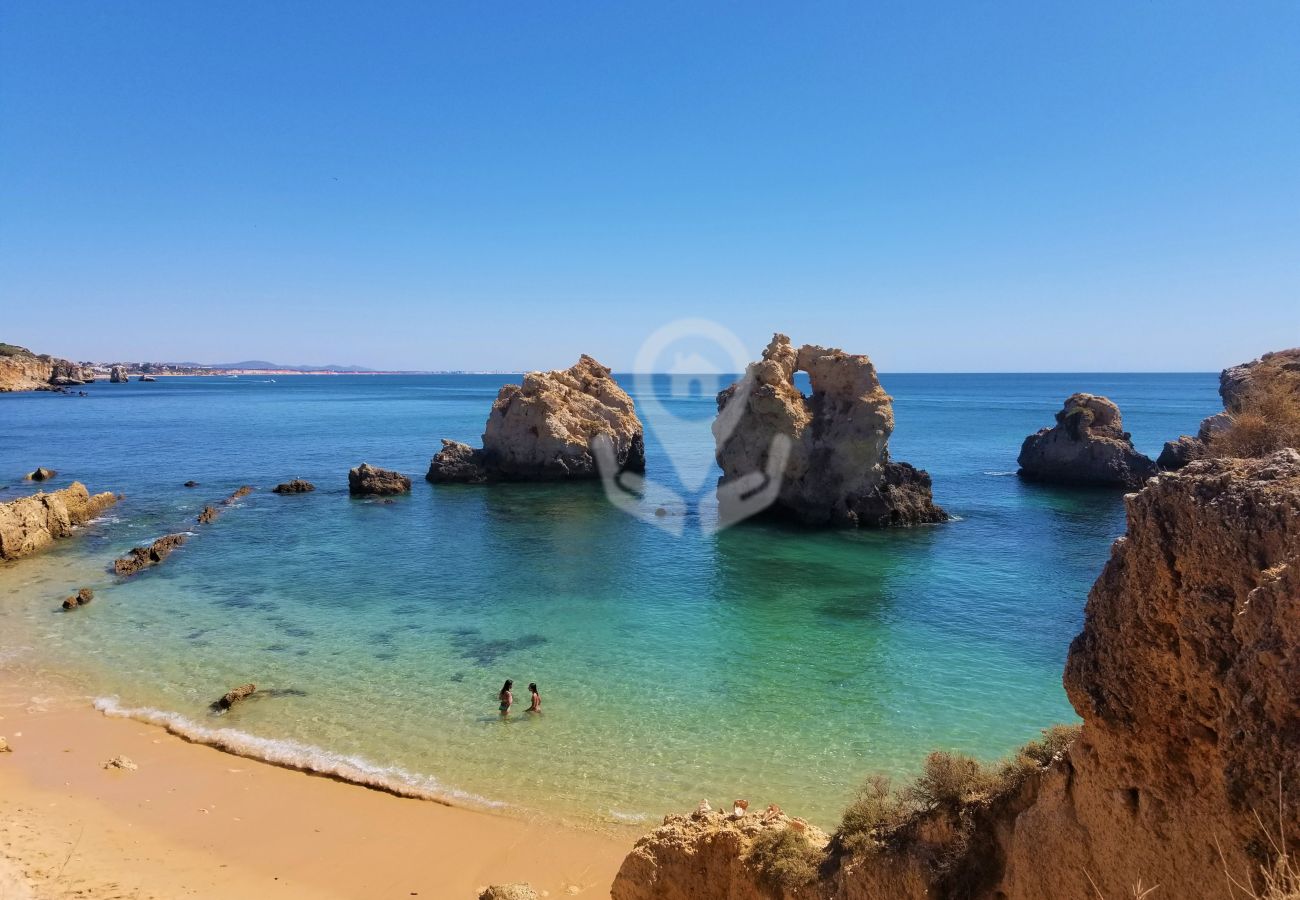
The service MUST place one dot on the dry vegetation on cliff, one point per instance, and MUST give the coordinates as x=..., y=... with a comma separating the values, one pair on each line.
x=1269, y=421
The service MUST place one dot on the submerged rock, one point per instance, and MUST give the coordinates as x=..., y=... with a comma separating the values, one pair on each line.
x=81, y=598
x=237, y=494
x=235, y=695
x=191, y=484
x=297, y=486
x=143, y=557
x=1087, y=446
x=41, y=474
x=838, y=470
x=367, y=480
x=542, y=430
x=31, y=524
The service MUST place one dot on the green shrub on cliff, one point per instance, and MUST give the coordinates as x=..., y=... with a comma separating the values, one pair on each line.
x=875, y=814
x=785, y=858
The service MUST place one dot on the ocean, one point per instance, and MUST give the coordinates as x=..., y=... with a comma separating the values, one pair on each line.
x=761, y=661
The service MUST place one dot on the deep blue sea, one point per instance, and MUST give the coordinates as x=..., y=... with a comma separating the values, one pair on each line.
x=760, y=661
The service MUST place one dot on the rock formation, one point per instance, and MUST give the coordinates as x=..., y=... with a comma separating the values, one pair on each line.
x=1187, y=677
x=117, y=375
x=516, y=891
x=4, y=746
x=81, y=598
x=237, y=494
x=1088, y=446
x=41, y=474
x=33, y=523
x=542, y=430
x=208, y=515
x=366, y=480
x=235, y=695
x=297, y=486
x=838, y=471
x=23, y=370
x=143, y=557
x=1240, y=387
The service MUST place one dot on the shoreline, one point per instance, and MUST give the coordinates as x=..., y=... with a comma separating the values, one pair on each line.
x=197, y=821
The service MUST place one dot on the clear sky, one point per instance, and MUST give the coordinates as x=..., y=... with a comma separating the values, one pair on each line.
x=963, y=186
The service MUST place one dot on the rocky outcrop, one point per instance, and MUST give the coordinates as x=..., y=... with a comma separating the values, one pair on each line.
x=297, y=486
x=367, y=480
x=81, y=598
x=838, y=470
x=208, y=515
x=147, y=378
x=1087, y=446
x=235, y=695
x=151, y=555
x=1241, y=387
x=41, y=474
x=1187, y=678
x=117, y=375
x=237, y=493
x=543, y=430
x=22, y=370
x=30, y=524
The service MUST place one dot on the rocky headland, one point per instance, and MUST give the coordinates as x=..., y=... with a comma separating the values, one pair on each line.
x=1183, y=774
x=31, y=524
x=1261, y=412
x=23, y=370
x=542, y=430
x=1087, y=446
x=838, y=470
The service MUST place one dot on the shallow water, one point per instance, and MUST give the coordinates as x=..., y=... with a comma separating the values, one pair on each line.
x=759, y=661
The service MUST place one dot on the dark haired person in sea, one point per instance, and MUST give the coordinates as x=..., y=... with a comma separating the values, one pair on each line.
x=506, y=697
x=537, y=698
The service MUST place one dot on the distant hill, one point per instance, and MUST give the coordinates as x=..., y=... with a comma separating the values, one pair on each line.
x=263, y=364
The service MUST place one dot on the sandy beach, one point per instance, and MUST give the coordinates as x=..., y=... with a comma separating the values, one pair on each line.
x=192, y=821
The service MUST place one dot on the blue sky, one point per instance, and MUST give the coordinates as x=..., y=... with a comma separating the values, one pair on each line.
x=948, y=187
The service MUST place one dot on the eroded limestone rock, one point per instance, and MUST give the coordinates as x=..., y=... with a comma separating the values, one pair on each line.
x=367, y=480
x=31, y=524
x=838, y=470
x=542, y=430
x=1087, y=446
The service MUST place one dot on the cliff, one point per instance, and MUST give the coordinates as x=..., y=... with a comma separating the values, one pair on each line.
x=1088, y=445
x=22, y=370
x=1187, y=678
x=838, y=470
x=31, y=524
x=542, y=430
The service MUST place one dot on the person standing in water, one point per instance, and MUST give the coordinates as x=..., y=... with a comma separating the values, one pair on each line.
x=506, y=697
x=537, y=698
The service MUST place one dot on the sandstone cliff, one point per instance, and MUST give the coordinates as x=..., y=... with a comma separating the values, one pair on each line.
x=838, y=470
x=1187, y=677
x=543, y=429
x=30, y=524
x=1262, y=382
x=1088, y=445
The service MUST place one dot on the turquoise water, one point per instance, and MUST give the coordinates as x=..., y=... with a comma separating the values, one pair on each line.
x=759, y=661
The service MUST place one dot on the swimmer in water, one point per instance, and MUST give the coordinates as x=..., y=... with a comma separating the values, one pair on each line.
x=537, y=698
x=506, y=698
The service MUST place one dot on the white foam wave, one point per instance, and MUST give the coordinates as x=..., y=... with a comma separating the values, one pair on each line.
x=292, y=754
x=1001, y=474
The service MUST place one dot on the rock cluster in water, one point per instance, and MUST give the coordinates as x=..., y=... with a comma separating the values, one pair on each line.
x=80, y=598
x=30, y=524
x=1187, y=678
x=543, y=430
x=367, y=480
x=838, y=471
x=297, y=486
x=1239, y=386
x=141, y=558
x=1088, y=445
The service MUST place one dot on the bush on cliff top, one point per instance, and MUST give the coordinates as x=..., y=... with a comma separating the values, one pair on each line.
x=1270, y=422
x=785, y=858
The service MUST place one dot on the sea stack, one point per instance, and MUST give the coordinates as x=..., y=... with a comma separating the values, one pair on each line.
x=1087, y=446
x=838, y=471
x=117, y=375
x=367, y=480
x=30, y=524
x=1253, y=386
x=542, y=430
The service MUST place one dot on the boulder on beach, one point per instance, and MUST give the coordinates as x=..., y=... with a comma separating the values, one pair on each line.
x=542, y=430
x=30, y=524
x=117, y=375
x=1087, y=446
x=235, y=695
x=297, y=486
x=151, y=555
x=837, y=469
x=4, y=746
x=367, y=480
x=517, y=891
